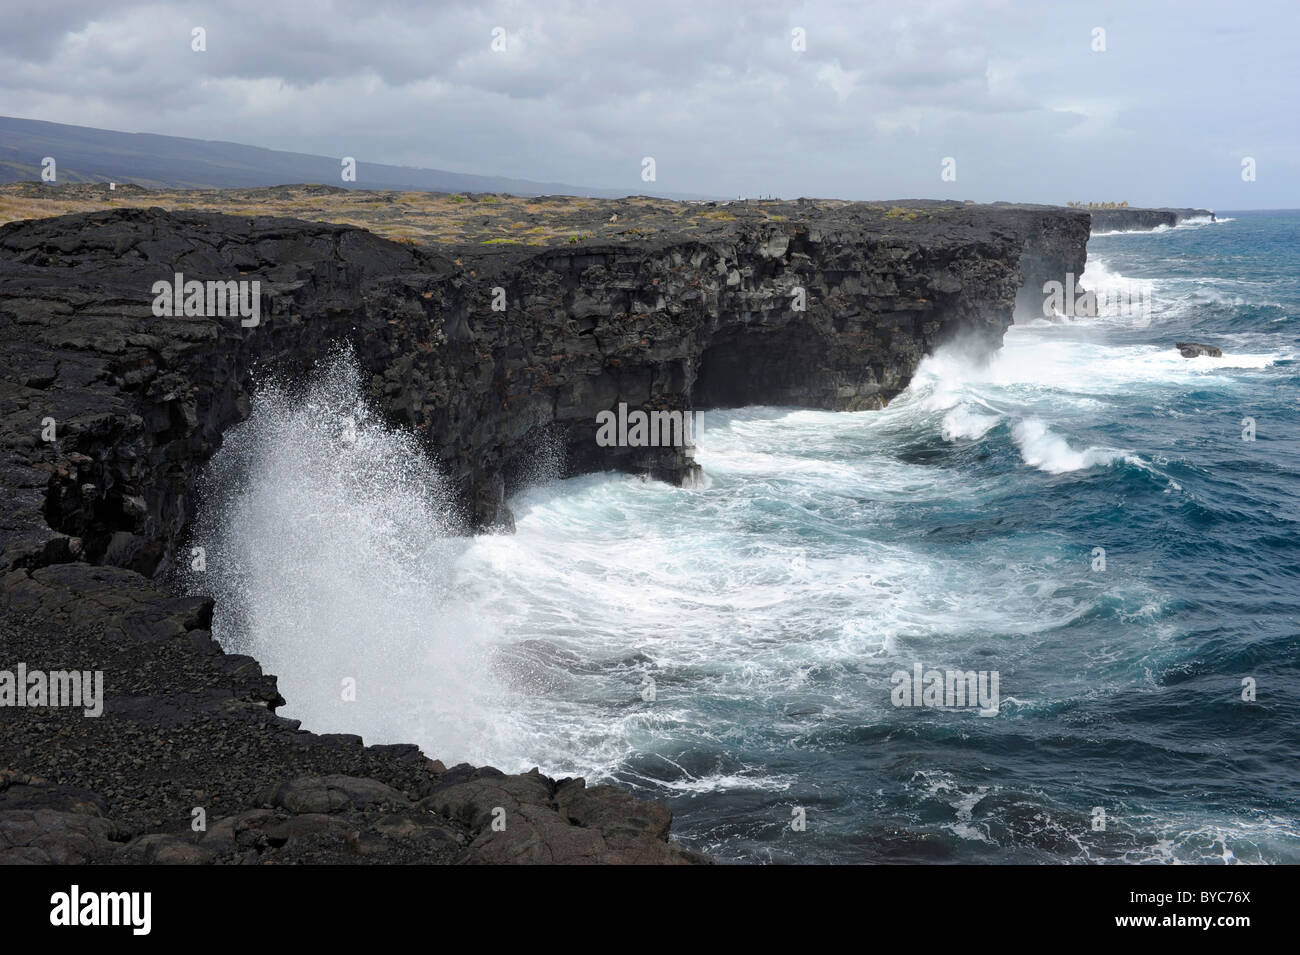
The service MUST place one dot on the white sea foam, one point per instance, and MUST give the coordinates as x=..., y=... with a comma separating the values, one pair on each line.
x=1042, y=363
x=961, y=422
x=1210, y=838
x=1046, y=376
x=1042, y=448
x=329, y=549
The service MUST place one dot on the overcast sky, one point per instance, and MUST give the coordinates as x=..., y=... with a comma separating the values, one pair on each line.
x=1012, y=91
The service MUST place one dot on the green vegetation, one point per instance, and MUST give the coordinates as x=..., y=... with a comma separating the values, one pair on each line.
x=1098, y=205
x=898, y=212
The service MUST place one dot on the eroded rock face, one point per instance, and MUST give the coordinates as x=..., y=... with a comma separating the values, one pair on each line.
x=108, y=413
x=674, y=323
x=1144, y=220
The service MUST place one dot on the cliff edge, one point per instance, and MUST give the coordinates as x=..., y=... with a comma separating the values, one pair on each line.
x=109, y=411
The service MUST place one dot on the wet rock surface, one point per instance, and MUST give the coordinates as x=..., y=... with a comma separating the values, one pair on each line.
x=108, y=414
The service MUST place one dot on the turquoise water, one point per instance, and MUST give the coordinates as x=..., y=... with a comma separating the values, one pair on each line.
x=729, y=649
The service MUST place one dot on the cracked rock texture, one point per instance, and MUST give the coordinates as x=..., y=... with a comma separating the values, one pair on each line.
x=108, y=414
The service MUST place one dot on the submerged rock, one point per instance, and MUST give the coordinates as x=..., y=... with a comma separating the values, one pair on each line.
x=1196, y=350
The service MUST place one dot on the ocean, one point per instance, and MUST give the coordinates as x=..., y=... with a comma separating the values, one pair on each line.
x=1080, y=516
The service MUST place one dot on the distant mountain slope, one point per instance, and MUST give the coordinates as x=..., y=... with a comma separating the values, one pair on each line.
x=86, y=154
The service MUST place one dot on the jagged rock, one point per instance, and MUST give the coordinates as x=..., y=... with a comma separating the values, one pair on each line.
x=223, y=834
x=44, y=823
x=1196, y=350
x=532, y=819
x=614, y=812
x=334, y=794
x=158, y=848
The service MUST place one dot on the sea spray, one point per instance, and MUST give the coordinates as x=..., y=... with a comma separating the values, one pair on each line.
x=330, y=544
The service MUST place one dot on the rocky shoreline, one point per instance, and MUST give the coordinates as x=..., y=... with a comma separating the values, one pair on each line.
x=108, y=413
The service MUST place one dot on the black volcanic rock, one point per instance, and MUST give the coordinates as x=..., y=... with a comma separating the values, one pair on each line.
x=91, y=521
x=1195, y=350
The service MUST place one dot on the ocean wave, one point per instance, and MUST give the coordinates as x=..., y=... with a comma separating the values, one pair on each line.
x=1224, y=840
x=1048, y=451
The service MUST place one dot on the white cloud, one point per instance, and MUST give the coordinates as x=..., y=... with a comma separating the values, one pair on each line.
x=838, y=79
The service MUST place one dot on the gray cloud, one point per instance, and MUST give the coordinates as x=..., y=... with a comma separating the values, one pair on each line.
x=714, y=92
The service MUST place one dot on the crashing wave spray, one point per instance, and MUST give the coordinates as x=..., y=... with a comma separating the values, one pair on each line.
x=331, y=547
